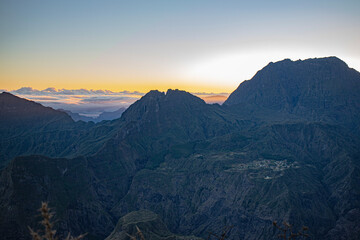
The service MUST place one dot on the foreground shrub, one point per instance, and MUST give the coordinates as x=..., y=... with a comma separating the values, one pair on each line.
x=49, y=233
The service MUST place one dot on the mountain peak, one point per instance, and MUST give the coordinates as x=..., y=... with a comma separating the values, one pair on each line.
x=155, y=101
x=182, y=97
x=176, y=91
x=303, y=86
x=154, y=93
x=332, y=60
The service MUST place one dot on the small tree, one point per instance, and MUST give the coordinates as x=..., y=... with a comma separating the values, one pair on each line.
x=49, y=233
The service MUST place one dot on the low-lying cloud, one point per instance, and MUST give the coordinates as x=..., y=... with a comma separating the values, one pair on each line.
x=94, y=102
x=83, y=101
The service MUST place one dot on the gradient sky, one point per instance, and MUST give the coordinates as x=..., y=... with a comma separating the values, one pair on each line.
x=195, y=45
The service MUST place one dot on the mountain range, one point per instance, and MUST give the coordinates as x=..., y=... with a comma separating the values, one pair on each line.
x=283, y=147
x=102, y=116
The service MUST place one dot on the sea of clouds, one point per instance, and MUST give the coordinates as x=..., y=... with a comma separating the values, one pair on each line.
x=91, y=103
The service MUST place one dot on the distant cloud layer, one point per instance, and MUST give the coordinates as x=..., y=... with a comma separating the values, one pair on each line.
x=93, y=102
x=83, y=101
x=54, y=91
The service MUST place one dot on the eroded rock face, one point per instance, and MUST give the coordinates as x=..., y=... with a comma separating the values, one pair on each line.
x=271, y=173
x=313, y=89
x=28, y=128
x=198, y=167
x=149, y=224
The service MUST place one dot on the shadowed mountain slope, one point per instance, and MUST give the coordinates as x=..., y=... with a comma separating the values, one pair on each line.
x=274, y=151
x=148, y=223
x=19, y=112
x=139, y=139
x=186, y=116
x=29, y=128
x=148, y=130
x=248, y=179
x=323, y=89
x=71, y=187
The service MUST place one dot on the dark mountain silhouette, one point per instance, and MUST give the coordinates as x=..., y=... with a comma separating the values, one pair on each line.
x=28, y=128
x=18, y=112
x=127, y=145
x=274, y=151
x=317, y=89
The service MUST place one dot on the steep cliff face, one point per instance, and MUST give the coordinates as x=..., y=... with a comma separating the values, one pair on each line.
x=138, y=140
x=28, y=128
x=178, y=116
x=313, y=89
x=249, y=179
x=149, y=129
x=149, y=224
x=274, y=151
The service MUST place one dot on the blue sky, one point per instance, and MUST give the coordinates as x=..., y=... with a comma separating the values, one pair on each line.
x=198, y=45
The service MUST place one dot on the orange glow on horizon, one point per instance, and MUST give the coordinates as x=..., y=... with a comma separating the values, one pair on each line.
x=116, y=84
x=214, y=98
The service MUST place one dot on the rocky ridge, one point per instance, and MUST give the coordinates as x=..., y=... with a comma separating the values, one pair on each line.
x=261, y=157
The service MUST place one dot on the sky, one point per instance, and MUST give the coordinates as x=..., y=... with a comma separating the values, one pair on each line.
x=201, y=46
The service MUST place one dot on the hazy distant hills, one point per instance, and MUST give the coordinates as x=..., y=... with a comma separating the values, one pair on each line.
x=102, y=117
x=283, y=147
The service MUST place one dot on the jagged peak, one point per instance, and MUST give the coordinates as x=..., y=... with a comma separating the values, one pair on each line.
x=323, y=59
x=288, y=77
x=153, y=93
x=176, y=91
x=181, y=95
x=329, y=60
x=171, y=95
x=156, y=101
